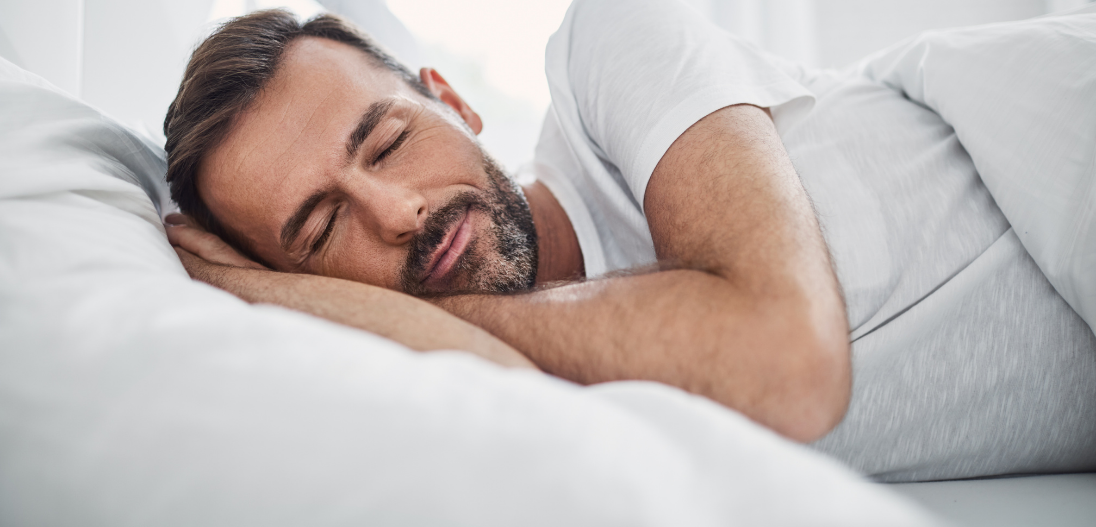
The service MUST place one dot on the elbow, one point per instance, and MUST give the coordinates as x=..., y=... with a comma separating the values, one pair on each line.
x=799, y=387
x=819, y=389
x=786, y=364
x=806, y=386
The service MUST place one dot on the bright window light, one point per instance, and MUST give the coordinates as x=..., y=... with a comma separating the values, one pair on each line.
x=505, y=37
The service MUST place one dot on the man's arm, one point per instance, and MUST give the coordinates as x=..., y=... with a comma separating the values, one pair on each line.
x=752, y=316
x=414, y=323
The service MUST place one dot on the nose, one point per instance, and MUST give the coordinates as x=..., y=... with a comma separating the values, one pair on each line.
x=397, y=211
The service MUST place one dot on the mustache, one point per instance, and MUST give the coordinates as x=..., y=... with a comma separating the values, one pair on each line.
x=433, y=232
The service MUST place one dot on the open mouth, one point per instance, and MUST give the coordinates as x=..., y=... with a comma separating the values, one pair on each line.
x=447, y=255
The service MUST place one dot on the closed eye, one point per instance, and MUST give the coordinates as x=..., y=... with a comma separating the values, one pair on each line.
x=319, y=243
x=392, y=148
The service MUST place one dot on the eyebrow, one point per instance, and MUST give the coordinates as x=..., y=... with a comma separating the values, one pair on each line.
x=293, y=226
x=368, y=122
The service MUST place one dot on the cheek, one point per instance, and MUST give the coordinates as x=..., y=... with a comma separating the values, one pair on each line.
x=358, y=258
x=456, y=160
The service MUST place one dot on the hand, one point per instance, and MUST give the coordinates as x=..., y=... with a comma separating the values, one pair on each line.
x=193, y=243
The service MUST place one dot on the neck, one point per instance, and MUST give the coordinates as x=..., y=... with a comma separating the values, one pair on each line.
x=559, y=256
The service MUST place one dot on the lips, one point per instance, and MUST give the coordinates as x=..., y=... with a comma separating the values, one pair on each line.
x=448, y=253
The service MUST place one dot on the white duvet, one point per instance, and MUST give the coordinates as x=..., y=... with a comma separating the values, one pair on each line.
x=1022, y=99
x=131, y=395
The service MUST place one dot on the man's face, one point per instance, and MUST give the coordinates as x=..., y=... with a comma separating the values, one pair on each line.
x=339, y=168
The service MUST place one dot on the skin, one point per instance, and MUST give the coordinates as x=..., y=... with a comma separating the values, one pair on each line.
x=291, y=143
x=387, y=313
x=750, y=316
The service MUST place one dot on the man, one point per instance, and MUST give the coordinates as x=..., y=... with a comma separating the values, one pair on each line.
x=328, y=159
x=662, y=179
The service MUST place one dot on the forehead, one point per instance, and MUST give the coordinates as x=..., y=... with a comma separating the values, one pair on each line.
x=292, y=133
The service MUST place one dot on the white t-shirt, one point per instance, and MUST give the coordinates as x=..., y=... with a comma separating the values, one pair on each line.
x=944, y=304
x=616, y=109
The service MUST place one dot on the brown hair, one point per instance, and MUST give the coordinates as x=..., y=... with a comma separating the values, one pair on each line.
x=225, y=74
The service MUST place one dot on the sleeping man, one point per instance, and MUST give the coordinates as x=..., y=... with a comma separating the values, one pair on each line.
x=665, y=234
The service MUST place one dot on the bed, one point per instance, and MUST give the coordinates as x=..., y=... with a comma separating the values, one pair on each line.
x=130, y=394
x=1059, y=499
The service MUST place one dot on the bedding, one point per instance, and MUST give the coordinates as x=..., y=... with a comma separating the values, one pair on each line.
x=131, y=395
x=1060, y=500
x=993, y=372
x=1020, y=98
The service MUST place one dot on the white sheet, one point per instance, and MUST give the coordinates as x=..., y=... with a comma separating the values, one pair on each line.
x=130, y=395
x=1061, y=500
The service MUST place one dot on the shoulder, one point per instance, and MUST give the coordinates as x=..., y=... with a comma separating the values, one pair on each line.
x=596, y=31
x=599, y=16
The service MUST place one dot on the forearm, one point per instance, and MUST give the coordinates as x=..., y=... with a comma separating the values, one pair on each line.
x=412, y=322
x=757, y=353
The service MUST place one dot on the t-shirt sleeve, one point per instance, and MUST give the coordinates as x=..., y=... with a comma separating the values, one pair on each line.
x=628, y=77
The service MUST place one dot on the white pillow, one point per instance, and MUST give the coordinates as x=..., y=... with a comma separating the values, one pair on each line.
x=131, y=395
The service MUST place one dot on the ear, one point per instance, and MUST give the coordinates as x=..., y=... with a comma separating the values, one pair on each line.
x=441, y=89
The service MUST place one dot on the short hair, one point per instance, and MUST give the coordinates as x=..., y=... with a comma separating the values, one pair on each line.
x=225, y=74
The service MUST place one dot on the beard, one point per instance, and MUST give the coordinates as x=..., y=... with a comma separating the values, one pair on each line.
x=505, y=262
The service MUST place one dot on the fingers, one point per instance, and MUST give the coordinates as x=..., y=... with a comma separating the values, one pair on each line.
x=201, y=269
x=192, y=239
x=183, y=233
x=188, y=258
x=179, y=219
x=207, y=246
x=177, y=236
x=191, y=263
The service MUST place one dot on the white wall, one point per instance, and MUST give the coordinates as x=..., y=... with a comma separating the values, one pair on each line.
x=46, y=37
x=125, y=57
x=135, y=52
